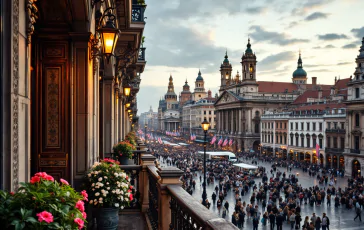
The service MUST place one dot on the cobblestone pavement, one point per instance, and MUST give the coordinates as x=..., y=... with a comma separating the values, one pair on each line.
x=340, y=218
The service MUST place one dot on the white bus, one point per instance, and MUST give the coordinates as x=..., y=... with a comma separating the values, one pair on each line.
x=229, y=156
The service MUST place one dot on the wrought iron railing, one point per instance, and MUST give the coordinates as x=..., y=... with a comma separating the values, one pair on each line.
x=137, y=13
x=336, y=131
x=153, y=198
x=141, y=56
x=354, y=150
x=188, y=213
x=133, y=172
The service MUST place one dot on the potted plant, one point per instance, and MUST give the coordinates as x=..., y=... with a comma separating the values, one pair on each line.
x=43, y=203
x=109, y=191
x=131, y=137
x=123, y=151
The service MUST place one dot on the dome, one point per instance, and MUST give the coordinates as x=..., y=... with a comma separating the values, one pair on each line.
x=186, y=84
x=226, y=60
x=248, y=48
x=199, y=77
x=299, y=72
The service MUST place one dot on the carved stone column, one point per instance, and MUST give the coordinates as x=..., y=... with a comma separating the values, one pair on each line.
x=146, y=159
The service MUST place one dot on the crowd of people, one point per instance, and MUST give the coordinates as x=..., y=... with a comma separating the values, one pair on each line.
x=275, y=196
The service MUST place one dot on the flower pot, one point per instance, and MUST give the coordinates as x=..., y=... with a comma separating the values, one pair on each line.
x=124, y=160
x=107, y=218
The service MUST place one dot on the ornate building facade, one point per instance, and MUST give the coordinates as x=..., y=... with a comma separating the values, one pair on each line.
x=354, y=147
x=61, y=92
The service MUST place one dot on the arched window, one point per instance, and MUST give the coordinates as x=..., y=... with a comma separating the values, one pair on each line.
x=357, y=120
x=251, y=69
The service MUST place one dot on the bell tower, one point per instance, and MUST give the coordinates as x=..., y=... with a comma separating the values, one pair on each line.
x=225, y=70
x=249, y=63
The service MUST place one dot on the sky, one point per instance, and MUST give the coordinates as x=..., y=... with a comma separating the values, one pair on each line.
x=183, y=36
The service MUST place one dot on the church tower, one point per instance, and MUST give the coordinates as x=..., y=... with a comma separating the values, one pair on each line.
x=249, y=63
x=225, y=70
x=299, y=76
x=185, y=94
x=199, y=91
x=170, y=96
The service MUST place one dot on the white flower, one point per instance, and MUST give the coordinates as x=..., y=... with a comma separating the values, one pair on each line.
x=100, y=179
x=117, y=205
x=89, y=175
x=93, y=184
x=122, y=198
x=100, y=202
x=95, y=203
x=103, y=191
x=116, y=174
x=67, y=194
x=100, y=199
x=91, y=201
x=108, y=188
x=126, y=199
x=113, y=191
x=97, y=194
x=107, y=182
x=105, y=177
x=122, y=207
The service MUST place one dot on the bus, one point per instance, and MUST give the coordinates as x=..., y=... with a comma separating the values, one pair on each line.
x=228, y=156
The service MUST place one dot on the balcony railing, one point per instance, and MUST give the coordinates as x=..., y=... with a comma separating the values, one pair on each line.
x=336, y=131
x=355, y=151
x=141, y=56
x=334, y=150
x=137, y=13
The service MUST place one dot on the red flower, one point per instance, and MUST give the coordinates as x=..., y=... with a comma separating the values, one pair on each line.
x=50, y=178
x=64, y=182
x=34, y=179
x=80, y=206
x=85, y=195
x=45, y=216
x=79, y=222
x=12, y=193
x=131, y=197
x=131, y=187
x=84, y=215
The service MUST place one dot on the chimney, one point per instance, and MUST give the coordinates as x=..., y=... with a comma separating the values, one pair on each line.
x=209, y=94
x=314, y=81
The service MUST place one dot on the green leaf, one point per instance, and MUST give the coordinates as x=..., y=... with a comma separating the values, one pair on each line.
x=54, y=225
x=19, y=225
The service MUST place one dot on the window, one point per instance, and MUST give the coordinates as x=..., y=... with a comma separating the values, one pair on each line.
x=314, y=126
x=280, y=124
x=342, y=125
x=320, y=126
x=335, y=142
x=314, y=142
x=357, y=92
x=320, y=143
x=356, y=142
x=291, y=139
x=210, y=120
x=329, y=125
x=357, y=120
x=328, y=144
x=204, y=112
x=296, y=125
x=209, y=112
x=335, y=125
x=280, y=139
x=308, y=126
x=302, y=126
x=276, y=139
x=285, y=125
x=302, y=142
x=291, y=126
x=308, y=142
x=342, y=142
x=297, y=141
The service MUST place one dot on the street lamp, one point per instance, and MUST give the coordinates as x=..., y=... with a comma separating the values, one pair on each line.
x=127, y=90
x=145, y=132
x=205, y=126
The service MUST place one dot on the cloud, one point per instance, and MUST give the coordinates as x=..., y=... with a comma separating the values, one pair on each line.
x=315, y=16
x=344, y=63
x=259, y=34
x=325, y=47
x=255, y=10
x=358, y=32
x=274, y=61
x=305, y=6
x=350, y=46
x=332, y=36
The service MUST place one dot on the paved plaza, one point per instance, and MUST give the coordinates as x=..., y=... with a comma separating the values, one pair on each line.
x=340, y=218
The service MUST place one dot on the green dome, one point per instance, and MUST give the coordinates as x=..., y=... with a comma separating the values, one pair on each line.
x=226, y=60
x=248, y=48
x=199, y=77
x=299, y=72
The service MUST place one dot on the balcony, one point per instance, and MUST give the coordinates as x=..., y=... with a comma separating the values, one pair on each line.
x=141, y=56
x=343, y=131
x=140, y=64
x=357, y=151
x=334, y=150
x=161, y=200
x=137, y=13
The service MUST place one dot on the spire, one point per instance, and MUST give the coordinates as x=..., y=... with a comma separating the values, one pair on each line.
x=199, y=77
x=226, y=60
x=248, y=47
x=361, y=51
x=299, y=62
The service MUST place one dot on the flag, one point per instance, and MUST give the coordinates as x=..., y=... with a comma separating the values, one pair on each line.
x=213, y=140
x=225, y=142
x=317, y=150
x=231, y=142
x=220, y=141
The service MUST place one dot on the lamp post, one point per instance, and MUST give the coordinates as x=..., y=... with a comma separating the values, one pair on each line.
x=205, y=126
x=145, y=132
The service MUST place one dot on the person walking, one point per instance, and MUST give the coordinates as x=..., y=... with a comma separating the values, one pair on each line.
x=325, y=222
x=357, y=211
x=292, y=220
x=272, y=220
x=279, y=221
x=318, y=223
x=255, y=223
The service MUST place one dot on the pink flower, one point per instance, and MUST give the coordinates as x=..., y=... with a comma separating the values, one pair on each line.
x=84, y=215
x=45, y=216
x=50, y=178
x=79, y=222
x=85, y=195
x=64, y=182
x=80, y=206
x=44, y=176
x=34, y=179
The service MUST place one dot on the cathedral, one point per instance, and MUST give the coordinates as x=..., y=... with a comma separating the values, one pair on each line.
x=243, y=99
